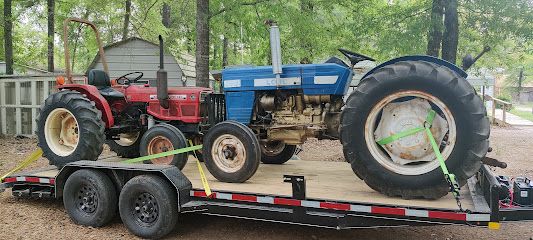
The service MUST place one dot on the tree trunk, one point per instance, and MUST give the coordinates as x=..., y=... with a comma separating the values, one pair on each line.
x=224, y=52
x=165, y=15
x=8, y=37
x=451, y=32
x=306, y=8
x=435, y=29
x=125, y=28
x=202, y=43
x=51, y=27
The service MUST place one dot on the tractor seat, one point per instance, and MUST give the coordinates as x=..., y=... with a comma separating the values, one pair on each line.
x=100, y=80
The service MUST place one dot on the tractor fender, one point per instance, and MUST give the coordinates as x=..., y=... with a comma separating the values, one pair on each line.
x=92, y=93
x=426, y=58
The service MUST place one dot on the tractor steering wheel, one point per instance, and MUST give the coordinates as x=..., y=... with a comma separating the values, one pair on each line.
x=128, y=81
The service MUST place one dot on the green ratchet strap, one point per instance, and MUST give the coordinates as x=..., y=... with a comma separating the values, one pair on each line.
x=429, y=119
x=163, y=154
x=450, y=178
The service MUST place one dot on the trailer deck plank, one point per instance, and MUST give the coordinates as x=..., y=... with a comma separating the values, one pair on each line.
x=333, y=181
x=324, y=180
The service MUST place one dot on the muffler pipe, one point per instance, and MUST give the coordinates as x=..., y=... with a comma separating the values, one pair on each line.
x=275, y=48
x=162, y=78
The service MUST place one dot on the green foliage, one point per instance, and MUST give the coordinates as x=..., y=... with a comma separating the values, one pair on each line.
x=312, y=30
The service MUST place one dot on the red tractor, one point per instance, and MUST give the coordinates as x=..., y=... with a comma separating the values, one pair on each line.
x=132, y=117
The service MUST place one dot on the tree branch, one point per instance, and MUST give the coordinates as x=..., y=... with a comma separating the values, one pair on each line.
x=227, y=9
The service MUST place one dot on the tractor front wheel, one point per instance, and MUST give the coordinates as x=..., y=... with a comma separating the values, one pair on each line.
x=163, y=138
x=70, y=128
x=231, y=152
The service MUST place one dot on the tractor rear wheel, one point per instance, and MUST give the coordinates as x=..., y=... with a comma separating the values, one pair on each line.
x=276, y=152
x=231, y=152
x=397, y=98
x=127, y=145
x=70, y=128
x=163, y=138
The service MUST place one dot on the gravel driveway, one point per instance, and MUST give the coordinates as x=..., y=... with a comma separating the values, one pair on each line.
x=37, y=219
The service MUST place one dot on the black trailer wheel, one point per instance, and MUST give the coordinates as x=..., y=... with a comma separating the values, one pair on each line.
x=162, y=138
x=231, y=152
x=276, y=152
x=127, y=145
x=397, y=98
x=90, y=198
x=148, y=206
x=70, y=128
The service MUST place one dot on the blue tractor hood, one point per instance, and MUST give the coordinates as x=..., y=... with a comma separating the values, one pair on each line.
x=312, y=79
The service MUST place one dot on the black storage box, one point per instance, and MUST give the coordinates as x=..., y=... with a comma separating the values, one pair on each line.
x=523, y=192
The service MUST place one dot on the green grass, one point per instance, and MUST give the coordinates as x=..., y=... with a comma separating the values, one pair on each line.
x=522, y=114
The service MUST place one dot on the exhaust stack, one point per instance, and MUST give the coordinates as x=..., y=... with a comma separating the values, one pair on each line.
x=275, y=48
x=162, y=78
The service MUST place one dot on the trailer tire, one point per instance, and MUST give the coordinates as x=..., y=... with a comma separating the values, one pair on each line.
x=271, y=155
x=85, y=120
x=148, y=206
x=231, y=152
x=161, y=138
x=463, y=105
x=127, y=147
x=90, y=198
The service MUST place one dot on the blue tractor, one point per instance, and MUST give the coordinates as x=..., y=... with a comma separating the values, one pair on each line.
x=271, y=109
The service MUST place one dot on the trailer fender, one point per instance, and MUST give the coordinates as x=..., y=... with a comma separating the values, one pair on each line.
x=94, y=95
x=120, y=173
x=430, y=59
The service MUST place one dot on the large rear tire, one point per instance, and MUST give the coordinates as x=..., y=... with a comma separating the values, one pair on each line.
x=415, y=87
x=70, y=128
x=231, y=152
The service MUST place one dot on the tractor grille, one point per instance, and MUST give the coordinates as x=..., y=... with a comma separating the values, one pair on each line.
x=215, y=105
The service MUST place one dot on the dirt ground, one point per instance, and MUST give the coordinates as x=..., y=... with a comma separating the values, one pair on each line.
x=38, y=219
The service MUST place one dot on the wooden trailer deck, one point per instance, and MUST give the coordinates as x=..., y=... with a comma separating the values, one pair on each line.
x=324, y=180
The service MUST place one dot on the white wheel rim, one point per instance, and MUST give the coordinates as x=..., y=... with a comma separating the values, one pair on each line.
x=228, y=153
x=418, y=167
x=127, y=139
x=272, y=148
x=61, y=132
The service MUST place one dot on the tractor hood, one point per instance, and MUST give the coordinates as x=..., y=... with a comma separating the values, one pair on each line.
x=313, y=79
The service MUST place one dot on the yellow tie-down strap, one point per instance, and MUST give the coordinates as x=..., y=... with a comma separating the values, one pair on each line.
x=30, y=159
x=205, y=184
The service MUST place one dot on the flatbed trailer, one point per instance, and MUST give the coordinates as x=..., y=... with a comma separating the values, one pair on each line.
x=311, y=193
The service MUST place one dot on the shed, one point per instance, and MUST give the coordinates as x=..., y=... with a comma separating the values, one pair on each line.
x=138, y=55
x=20, y=69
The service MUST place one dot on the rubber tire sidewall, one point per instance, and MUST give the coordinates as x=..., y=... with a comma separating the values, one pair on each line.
x=166, y=197
x=470, y=118
x=107, y=197
x=173, y=134
x=251, y=145
x=90, y=125
x=282, y=157
x=131, y=151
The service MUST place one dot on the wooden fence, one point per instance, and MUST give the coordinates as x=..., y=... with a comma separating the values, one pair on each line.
x=20, y=99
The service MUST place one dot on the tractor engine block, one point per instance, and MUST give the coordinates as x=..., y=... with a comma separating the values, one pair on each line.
x=294, y=117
